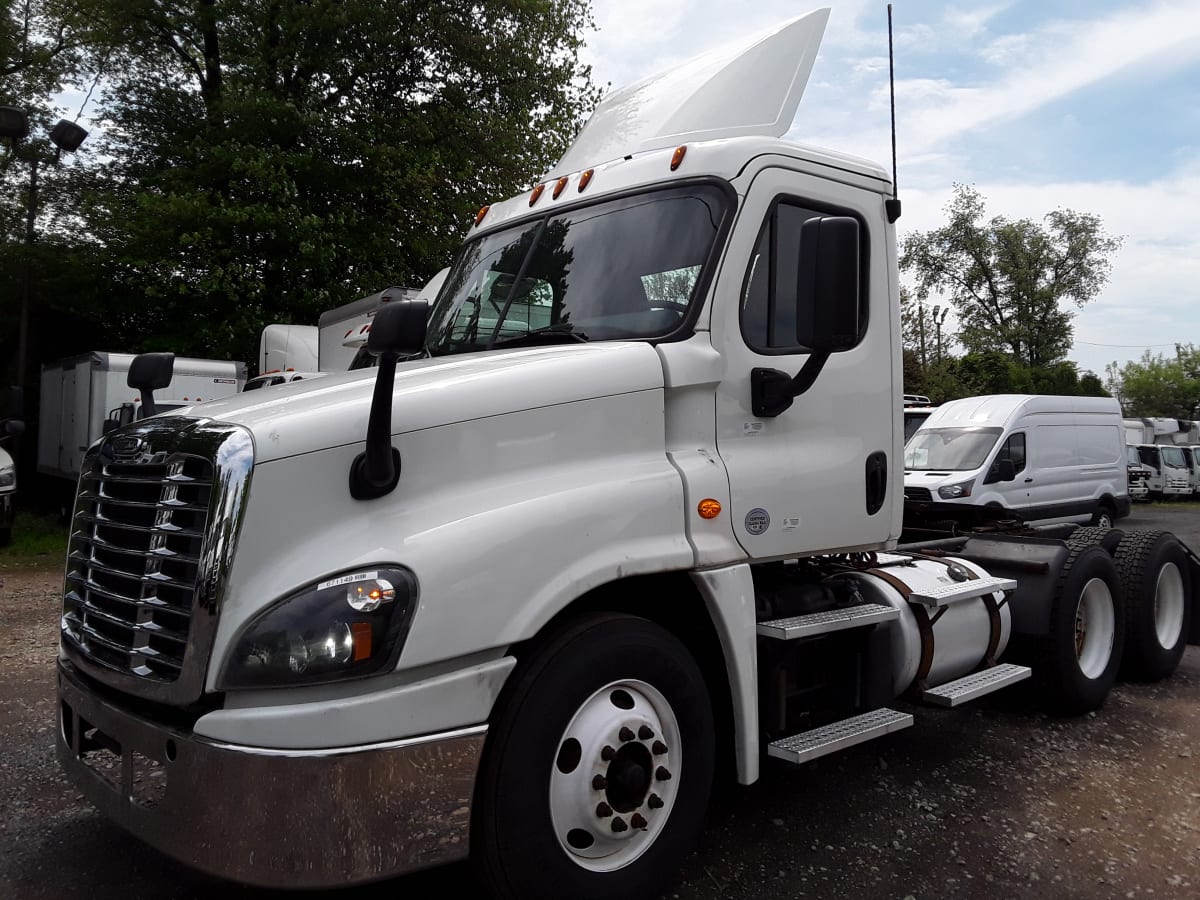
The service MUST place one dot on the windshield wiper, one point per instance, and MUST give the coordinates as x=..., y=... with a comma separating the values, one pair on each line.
x=549, y=334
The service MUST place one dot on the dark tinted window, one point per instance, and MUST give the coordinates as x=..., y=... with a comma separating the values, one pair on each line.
x=1014, y=449
x=769, y=294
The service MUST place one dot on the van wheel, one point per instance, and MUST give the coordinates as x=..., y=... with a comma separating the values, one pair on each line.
x=1156, y=578
x=1104, y=517
x=1082, y=654
x=597, y=767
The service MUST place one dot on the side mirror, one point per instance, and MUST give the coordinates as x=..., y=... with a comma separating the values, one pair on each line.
x=150, y=372
x=827, y=288
x=827, y=301
x=1001, y=470
x=398, y=329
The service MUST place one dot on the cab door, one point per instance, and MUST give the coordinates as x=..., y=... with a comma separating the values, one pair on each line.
x=824, y=474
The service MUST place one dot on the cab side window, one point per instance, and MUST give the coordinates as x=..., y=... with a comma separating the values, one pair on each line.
x=1014, y=449
x=769, y=293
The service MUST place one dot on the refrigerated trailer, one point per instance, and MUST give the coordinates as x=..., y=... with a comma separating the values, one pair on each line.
x=80, y=393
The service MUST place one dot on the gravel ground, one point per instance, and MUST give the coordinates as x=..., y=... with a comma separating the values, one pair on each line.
x=988, y=801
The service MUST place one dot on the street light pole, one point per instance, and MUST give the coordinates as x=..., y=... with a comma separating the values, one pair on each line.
x=14, y=125
x=27, y=274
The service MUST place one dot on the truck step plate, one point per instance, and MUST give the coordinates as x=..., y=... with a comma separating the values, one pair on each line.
x=961, y=590
x=985, y=681
x=830, y=738
x=829, y=620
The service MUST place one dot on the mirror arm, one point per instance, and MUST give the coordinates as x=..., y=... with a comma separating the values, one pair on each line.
x=772, y=391
x=376, y=471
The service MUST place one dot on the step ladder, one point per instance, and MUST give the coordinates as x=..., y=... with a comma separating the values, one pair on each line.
x=961, y=590
x=836, y=736
x=812, y=624
x=975, y=685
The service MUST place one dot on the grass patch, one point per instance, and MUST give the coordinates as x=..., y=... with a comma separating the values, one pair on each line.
x=37, y=540
x=1171, y=504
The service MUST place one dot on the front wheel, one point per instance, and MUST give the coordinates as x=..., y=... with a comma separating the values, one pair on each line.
x=598, y=765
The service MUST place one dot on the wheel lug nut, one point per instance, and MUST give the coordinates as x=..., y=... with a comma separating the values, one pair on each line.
x=637, y=821
x=658, y=748
x=644, y=733
x=618, y=825
x=662, y=774
x=608, y=753
x=625, y=734
x=603, y=810
x=599, y=783
x=655, y=802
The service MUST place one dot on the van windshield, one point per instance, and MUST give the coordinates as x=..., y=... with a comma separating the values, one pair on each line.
x=949, y=449
x=621, y=269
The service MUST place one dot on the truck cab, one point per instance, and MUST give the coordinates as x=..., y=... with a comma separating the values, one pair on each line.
x=618, y=511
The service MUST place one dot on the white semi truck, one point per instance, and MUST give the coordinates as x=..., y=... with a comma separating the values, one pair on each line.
x=545, y=583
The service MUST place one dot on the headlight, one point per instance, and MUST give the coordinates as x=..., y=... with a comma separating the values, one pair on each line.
x=345, y=627
x=956, y=491
x=8, y=476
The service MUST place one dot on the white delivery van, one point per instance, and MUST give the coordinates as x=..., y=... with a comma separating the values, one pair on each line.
x=80, y=393
x=1049, y=459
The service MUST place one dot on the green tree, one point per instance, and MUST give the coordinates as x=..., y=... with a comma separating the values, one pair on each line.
x=270, y=160
x=1012, y=283
x=1157, y=385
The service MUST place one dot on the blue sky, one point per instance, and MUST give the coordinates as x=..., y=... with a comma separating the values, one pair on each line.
x=1093, y=106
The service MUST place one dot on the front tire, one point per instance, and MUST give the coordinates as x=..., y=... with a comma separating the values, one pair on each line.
x=598, y=765
x=1082, y=654
x=1156, y=577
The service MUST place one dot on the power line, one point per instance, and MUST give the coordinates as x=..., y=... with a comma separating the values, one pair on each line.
x=1129, y=346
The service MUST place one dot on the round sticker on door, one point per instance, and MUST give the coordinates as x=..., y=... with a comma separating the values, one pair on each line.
x=757, y=520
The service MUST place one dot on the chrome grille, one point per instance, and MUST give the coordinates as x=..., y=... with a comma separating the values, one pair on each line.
x=918, y=494
x=134, y=560
x=155, y=527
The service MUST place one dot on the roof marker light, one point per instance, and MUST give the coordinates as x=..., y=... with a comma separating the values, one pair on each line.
x=677, y=156
x=483, y=211
x=537, y=192
x=558, y=188
x=585, y=179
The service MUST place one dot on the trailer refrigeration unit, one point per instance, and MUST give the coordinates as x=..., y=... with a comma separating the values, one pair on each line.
x=537, y=582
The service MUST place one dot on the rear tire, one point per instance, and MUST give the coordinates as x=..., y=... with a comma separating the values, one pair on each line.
x=582, y=739
x=1156, y=579
x=1082, y=654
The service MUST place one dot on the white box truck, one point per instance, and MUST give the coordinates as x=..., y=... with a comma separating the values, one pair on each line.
x=1047, y=459
x=80, y=393
x=538, y=582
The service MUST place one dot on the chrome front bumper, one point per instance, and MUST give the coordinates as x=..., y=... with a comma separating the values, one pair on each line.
x=284, y=819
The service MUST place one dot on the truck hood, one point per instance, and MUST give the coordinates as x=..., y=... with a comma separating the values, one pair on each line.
x=305, y=416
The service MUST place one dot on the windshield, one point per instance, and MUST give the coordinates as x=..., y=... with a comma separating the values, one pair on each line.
x=622, y=269
x=1173, y=456
x=949, y=449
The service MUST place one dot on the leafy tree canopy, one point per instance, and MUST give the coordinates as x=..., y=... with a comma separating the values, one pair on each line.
x=1012, y=283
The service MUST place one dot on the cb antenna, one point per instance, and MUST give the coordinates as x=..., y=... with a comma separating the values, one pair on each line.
x=892, y=205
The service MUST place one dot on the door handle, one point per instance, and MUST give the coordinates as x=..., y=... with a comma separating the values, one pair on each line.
x=1027, y=480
